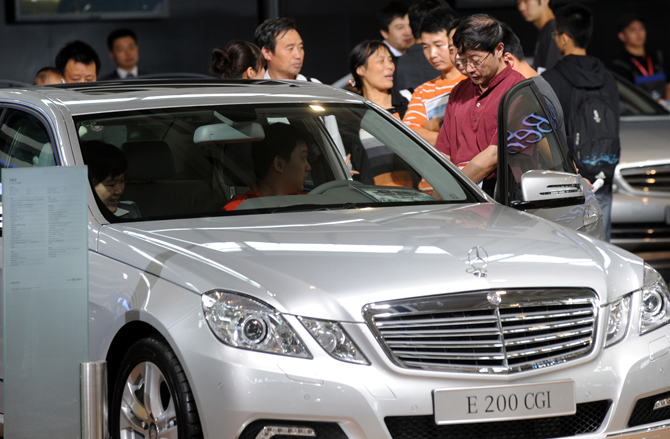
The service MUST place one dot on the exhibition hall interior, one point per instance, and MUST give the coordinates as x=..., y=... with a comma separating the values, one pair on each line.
x=379, y=219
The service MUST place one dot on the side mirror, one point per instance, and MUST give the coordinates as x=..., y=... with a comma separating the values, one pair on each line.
x=547, y=189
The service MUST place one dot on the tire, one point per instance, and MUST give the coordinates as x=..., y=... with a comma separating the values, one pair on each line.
x=151, y=397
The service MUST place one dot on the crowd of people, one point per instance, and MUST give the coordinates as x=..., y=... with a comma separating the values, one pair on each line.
x=444, y=76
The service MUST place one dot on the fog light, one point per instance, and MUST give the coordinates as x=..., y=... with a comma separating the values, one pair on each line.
x=661, y=403
x=271, y=431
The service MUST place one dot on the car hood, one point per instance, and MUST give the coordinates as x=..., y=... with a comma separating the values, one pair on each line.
x=329, y=264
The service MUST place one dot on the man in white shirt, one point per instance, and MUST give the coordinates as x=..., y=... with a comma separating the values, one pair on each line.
x=283, y=50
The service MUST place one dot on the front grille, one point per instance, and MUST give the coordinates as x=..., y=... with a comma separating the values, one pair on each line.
x=648, y=178
x=640, y=231
x=644, y=412
x=528, y=329
x=588, y=418
x=323, y=430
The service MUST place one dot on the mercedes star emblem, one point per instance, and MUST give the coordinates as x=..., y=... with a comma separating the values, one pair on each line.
x=477, y=258
x=494, y=298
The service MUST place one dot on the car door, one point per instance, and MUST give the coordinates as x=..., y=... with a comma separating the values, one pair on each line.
x=25, y=141
x=535, y=170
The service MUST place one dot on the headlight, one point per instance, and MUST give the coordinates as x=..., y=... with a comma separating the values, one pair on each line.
x=654, y=301
x=242, y=322
x=334, y=340
x=617, y=323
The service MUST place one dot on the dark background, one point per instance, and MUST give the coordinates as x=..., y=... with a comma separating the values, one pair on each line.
x=184, y=41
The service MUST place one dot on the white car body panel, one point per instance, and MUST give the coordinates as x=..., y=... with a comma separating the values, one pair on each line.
x=284, y=261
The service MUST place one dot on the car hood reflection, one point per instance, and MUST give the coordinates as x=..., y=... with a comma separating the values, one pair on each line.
x=289, y=259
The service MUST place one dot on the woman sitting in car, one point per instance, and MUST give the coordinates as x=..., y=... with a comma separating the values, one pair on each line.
x=106, y=172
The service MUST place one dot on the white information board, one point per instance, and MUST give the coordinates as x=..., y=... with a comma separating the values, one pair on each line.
x=45, y=289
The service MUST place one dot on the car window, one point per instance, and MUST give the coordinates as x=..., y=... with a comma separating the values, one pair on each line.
x=532, y=139
x=24, y=141
x=197, y=161
x=636, y=102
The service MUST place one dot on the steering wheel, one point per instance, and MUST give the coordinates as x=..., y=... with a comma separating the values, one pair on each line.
x=331, y=185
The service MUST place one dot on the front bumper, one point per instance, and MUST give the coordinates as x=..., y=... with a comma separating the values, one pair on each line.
x=659, y=431
x=238, y=390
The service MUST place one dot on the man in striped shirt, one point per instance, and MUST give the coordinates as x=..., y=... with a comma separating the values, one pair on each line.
x=426, y=109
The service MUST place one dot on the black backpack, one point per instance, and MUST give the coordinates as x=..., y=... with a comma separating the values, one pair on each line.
x=593, y=137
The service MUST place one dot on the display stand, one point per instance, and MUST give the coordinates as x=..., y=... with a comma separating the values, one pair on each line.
x=45, y=285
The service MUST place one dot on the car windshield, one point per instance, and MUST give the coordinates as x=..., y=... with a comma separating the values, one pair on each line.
x=636, y=102
x=243, y=159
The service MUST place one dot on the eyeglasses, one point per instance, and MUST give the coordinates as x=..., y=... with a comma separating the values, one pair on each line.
x=464, y=61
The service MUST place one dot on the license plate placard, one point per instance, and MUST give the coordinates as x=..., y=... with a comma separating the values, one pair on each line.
x=504, y=403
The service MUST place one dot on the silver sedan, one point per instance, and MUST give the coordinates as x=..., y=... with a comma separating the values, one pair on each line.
x=410, y=306
x=641, y=201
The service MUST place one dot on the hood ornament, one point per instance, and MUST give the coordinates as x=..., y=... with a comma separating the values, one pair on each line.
x=494, y=298
x=477, y=259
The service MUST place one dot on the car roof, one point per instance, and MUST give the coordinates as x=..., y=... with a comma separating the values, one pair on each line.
x=112, y=96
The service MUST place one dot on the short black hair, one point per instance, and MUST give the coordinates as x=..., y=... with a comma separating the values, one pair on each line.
x=78, y=51
x=281, y=140
x=512, y=42
x=267, y=32
x=627, y=19
x=478, y=32
x=418, y=11
x=389, y=13
x=103, y=160
x=44, y=72
x=576, y=21
x=119, y=33
x=439, y=19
